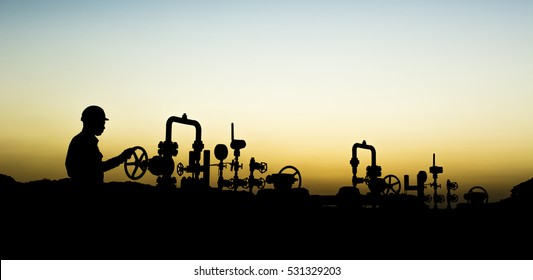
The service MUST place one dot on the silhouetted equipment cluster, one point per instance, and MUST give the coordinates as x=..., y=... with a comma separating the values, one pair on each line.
x=163, y=164
x=389, y=188
x=121, y=219
x=382, y=191
x=221, y=153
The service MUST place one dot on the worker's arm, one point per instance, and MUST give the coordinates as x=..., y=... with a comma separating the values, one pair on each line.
x=116, y=161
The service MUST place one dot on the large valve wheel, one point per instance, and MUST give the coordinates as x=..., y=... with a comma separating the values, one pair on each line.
x=477, y=195
x=139, y=163
x=392, y=185
x=295, y=174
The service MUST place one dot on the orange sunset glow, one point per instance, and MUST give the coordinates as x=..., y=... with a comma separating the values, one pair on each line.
x=301, y=81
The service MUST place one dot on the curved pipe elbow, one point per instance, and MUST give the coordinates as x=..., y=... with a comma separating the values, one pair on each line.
x=184, y=120
x=366, y=147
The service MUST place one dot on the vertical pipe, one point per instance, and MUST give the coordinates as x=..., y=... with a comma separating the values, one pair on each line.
x=207, y=164
x=406, y=182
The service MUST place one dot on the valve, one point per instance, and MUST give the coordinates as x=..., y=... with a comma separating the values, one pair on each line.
x=161, y=166
x=235, y=165
x=236, y=145
x=223, y=183
x=284, y=181
x=451, y=198
x=373, y=171
x=392, y=185
x=259, y=183
x=451, y=186
x=235, y=183
x=477, y=195
x=262, y=167
x=167, y=148
x=139, y=163
x=436, y=170
x=438, y=198
x=221, y=153
x=358, y=180
x=180, y=169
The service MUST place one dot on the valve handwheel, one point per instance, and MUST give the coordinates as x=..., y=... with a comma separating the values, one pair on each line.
x=262, y=183
x=439, y=198
x=453, y=198
x=296, y=173
x=263, y=167
x=180, y=169
x=139, y=163
x=452, y=185
x=393, y=185
x=259, y=183
x=477, y=194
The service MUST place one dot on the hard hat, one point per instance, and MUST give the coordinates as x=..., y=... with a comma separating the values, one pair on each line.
x=93, y=113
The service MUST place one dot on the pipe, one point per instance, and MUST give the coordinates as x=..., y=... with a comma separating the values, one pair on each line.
x=198, y=146
x=206, y=167
x=183, y=120
x=364, y=146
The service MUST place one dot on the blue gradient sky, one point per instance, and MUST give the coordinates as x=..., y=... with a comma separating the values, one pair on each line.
x=302, y=81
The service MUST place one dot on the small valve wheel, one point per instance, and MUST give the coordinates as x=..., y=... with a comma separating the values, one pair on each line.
x=453, y=198
x=262, y=183
x=139, y=163
x=263, y=167
x=180, y=169
x=452, y=185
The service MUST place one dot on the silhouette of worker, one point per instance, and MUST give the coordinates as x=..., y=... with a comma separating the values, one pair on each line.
x=84, y=161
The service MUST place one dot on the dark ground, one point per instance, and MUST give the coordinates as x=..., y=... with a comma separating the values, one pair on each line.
x=51, y=220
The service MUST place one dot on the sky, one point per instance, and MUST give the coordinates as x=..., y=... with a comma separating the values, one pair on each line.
x=302, y=81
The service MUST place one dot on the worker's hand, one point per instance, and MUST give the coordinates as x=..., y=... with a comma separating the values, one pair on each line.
x=126, y=154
